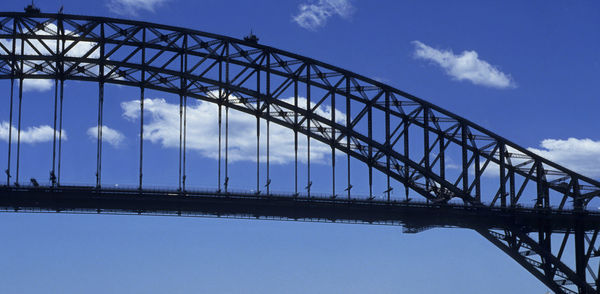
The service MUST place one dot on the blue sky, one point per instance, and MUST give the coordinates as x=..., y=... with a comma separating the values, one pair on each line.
x=525, y=70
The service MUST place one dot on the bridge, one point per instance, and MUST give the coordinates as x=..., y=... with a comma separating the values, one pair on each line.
x=534, y=210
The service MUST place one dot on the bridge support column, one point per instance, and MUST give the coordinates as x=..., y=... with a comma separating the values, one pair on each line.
x=19, y=124
x=60, y=128
x=12, y=85
x=580, y=258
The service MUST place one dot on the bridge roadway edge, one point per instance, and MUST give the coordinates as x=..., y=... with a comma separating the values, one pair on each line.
x=80, y=199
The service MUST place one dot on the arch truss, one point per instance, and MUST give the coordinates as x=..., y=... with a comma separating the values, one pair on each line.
x=409, y=140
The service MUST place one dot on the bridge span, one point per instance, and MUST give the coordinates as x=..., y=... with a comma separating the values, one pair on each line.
x=414, y=216
x=538, y=212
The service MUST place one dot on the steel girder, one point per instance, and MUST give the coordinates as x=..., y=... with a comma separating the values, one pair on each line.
x=228, y=71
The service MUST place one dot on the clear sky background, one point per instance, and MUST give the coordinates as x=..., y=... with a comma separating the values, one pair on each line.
x=528, y=71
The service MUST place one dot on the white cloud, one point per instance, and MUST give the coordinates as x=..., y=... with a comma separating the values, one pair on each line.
x=111, y=136
x=314, y=15
x=38, y=85
x=202, y=131
x=79, y=50
x=466, y=66
x=30, y=135
x=580, y=155
x=133, y=7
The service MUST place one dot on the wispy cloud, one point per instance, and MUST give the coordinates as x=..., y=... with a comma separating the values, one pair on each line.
x=29, y=135
x=313, y=15
x=133, y=7
x=580, y=155
x=202, y=131
x=111, y=136
x=466, y=66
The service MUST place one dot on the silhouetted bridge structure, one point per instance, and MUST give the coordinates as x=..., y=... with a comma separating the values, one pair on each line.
x=529, y=207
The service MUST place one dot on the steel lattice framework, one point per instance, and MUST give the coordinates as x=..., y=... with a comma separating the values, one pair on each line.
x=379, y=128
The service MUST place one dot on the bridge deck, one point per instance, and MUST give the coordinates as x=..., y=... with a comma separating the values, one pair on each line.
x=413, y=215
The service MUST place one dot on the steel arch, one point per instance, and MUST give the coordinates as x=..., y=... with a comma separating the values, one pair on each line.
x=115, y=46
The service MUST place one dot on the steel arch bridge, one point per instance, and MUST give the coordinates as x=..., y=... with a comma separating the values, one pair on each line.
x=393, y=133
